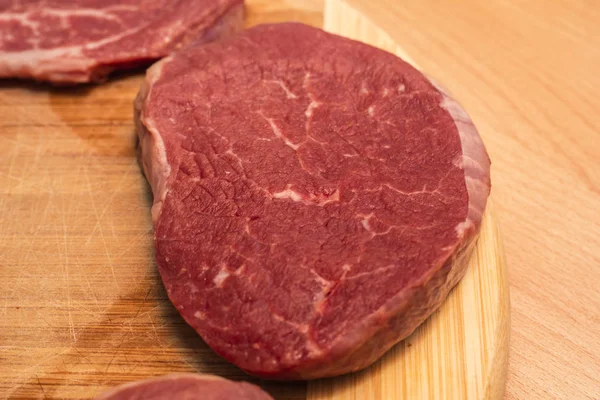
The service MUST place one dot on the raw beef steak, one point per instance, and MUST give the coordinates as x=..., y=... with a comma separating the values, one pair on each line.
x=315, y=198
x=186, y=387
x=84, y=40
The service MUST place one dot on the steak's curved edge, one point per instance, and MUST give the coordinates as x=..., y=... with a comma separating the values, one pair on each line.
x=152, y=152
x=475, y=161
x=415, y=305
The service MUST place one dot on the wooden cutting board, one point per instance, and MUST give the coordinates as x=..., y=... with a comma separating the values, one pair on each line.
x=82, y=306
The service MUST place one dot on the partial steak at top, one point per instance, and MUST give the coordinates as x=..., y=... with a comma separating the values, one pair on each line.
x=315, y=198
x=185, y=387
x=84, y=40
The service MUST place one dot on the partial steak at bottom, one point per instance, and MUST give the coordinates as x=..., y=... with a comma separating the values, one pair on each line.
x=185, y=387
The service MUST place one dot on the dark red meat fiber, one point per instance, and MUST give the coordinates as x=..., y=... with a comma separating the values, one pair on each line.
x=315, y=198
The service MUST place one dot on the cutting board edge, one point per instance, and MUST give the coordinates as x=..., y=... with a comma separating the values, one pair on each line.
x=498, y=366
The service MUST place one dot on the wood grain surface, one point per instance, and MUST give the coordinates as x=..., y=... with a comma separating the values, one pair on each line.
x=75, y=224
x=83, y=307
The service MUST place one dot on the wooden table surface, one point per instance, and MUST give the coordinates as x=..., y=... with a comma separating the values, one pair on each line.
x=528, y=72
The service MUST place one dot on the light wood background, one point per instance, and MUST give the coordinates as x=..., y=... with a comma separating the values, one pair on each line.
x=527, y=72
